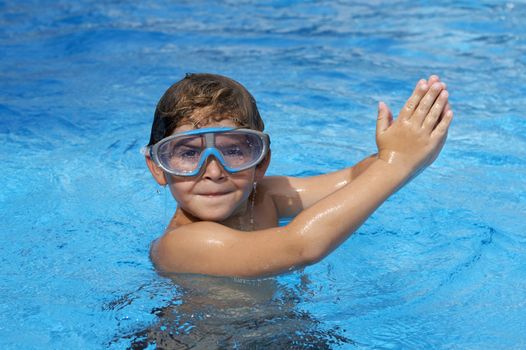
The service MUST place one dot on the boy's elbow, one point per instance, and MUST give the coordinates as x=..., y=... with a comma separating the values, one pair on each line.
x=301, y=249
x=312, y=254
x=162, y=256
x=155, y=258
x=306, y=252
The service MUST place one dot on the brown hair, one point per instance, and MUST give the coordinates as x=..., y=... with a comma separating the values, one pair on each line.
x=221, y=98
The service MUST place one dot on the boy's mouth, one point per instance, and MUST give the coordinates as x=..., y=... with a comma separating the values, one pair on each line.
x=214, y=194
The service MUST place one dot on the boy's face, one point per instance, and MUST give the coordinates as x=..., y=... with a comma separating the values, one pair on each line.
x=214, y=194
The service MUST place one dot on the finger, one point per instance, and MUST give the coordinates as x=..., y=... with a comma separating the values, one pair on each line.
x=443, y=126
x=385, y=118
x=433, y=79
x=413, y=101
x=446, y=109
x=432, y=118
x=426, y=103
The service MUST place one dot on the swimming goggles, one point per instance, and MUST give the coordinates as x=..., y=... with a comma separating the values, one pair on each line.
x=183, y=154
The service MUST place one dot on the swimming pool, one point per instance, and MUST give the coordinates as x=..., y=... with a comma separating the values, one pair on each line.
x=440, y=265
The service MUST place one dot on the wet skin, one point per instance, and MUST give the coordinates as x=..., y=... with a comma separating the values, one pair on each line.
x=207, y=233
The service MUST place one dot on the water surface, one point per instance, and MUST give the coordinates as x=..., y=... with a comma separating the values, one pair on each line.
x=440, y=265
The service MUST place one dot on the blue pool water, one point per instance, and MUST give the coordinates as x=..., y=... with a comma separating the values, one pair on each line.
x=440, y=265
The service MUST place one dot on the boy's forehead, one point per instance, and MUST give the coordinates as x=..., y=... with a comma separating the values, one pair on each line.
x=225, y=122
x=206, y=117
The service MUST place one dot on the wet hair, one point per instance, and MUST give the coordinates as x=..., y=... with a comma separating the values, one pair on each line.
x=202, y=98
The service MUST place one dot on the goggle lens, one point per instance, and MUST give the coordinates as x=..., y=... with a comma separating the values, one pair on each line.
x=181, y=155
x=235, y=150
x=239, y=150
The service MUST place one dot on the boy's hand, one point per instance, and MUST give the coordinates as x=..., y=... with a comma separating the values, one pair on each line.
x=415, y=138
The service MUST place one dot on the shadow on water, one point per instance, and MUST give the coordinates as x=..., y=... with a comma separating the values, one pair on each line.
x=216, y=313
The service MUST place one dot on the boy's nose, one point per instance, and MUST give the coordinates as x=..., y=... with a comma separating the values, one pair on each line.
x=213, y=169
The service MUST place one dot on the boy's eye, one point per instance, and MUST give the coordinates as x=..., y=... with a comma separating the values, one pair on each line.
x=186, y=153
x=233, y=151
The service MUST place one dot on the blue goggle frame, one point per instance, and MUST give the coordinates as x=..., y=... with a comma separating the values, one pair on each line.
x=210, y=149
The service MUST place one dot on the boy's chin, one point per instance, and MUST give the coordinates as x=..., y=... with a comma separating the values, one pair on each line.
x=212, y=216
x=219, y=214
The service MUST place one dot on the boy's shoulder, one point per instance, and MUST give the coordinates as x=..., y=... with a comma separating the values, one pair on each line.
x=184, y=242
x=274, y=184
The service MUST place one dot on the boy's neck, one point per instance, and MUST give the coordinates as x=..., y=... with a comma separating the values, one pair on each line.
x=241, y=220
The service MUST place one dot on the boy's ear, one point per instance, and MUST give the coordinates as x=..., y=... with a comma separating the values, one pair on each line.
x=158, y=173
x=262, y=167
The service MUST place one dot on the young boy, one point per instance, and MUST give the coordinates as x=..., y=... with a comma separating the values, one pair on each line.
x=207, y=145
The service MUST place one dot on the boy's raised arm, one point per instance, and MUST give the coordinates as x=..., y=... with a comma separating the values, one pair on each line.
x=291, y=195
x=405, y=147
